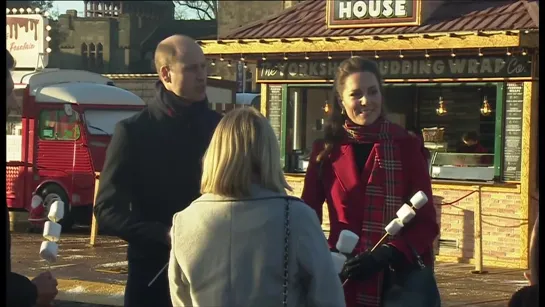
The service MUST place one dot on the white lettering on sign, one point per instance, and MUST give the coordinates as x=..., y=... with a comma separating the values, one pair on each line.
x=372, y=9
x=25, y=39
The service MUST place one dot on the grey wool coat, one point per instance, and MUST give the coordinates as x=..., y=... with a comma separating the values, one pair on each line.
x=230, y=253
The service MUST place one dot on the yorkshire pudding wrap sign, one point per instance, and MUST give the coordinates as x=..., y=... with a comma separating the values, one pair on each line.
x=372, y=13
x=435, y=68
x=25, y=39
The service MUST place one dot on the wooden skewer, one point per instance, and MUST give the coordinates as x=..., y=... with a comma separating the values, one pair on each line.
x=158, y=274
x=380, y=242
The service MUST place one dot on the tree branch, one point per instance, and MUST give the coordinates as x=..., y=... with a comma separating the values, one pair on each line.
x=204, y=9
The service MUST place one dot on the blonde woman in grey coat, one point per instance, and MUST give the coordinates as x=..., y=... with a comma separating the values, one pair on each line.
x=229, y=246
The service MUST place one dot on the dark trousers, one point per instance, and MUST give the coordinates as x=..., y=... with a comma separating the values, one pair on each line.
x=137, y=292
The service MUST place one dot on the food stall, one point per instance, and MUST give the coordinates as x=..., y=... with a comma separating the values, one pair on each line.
x=445, y=66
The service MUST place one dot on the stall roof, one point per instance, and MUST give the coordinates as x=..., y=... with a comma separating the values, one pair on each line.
x=308, y=19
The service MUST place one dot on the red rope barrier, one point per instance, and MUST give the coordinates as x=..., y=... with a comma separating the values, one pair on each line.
x=459, y=199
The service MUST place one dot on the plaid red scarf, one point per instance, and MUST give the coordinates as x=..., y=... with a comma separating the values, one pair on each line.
x=383, y=197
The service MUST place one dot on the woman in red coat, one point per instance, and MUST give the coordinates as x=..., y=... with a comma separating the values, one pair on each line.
x=366, y=168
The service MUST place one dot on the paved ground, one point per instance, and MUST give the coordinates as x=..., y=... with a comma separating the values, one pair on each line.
x=97, y=274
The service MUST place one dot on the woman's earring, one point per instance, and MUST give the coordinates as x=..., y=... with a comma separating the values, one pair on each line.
x=342, y=111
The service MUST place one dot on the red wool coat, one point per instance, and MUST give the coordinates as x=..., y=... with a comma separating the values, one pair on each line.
x=338, y=183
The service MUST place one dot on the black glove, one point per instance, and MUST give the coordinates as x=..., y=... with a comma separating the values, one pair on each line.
x=368, y=263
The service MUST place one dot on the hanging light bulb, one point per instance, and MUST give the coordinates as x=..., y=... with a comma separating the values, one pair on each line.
x=221, y=58
x=242, y=58
x=213, y=62
x=480, y=53
x=351, y=54
x=486, y=109
x=427, y=55
x=452, y=54
x=376, y=55
x=285, y=57
x=263, y=57
x=401, y=55
x=326, y=107
x=442, y=110
x=229, y=63
x=508, y=53
x=524, y=52
x=306, y=57
x=329, y=57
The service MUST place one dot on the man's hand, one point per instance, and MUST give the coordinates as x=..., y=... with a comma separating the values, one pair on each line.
x=46, y=285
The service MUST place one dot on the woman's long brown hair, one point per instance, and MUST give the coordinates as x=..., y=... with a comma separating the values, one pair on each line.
x=333, y=127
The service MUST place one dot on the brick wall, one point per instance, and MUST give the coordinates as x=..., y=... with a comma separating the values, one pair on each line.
x=501, y=227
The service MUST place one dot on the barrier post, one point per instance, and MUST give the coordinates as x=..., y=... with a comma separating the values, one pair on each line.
x=478, y=233
x=94, y=227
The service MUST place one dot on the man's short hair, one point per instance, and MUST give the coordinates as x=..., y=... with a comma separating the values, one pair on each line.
x=165, y=54
x=10, y=63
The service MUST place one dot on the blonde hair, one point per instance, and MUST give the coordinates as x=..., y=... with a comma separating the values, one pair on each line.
x=244, y=150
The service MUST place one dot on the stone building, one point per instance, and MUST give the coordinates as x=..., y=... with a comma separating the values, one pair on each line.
x=118, y=36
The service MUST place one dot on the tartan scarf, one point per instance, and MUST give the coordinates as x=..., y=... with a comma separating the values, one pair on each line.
x=383, y=197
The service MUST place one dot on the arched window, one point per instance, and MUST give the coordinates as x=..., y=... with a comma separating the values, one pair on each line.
x=84, y=56
x=100, y=57
x=92, y=57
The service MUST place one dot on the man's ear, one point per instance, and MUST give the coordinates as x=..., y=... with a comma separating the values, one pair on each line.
x=165, y=73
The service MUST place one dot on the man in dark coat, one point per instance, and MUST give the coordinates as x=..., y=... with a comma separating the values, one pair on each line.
x=20, y=291
x=153, y=168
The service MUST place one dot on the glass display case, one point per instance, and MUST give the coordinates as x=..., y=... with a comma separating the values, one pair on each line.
x=462, y=166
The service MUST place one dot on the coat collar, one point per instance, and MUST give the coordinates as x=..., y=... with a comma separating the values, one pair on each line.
x=256, y=192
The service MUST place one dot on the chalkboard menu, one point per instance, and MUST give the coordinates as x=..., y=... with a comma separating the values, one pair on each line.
x=274, y=112
x=514, y=95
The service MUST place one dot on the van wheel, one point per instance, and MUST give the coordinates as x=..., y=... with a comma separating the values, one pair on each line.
x=49, y=194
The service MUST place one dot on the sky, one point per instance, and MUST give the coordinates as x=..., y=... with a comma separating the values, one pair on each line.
x=62, y=6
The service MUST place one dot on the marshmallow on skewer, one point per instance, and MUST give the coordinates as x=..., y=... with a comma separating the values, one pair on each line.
x=347, y=241
x=56, y=211
x=419, y=200
x=338, y=261
x=394, y=227
x=52, y=231
x=49, y=251
x=405, y=214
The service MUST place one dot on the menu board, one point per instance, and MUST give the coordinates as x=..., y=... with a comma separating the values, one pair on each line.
x=274, y=112
x=514, y=96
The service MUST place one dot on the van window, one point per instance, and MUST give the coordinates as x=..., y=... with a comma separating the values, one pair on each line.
x=55, y=125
